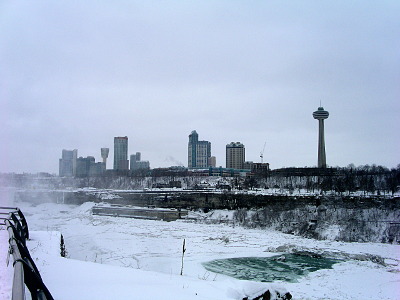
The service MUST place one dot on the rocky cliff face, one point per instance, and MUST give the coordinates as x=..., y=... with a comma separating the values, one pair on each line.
x=333, y=220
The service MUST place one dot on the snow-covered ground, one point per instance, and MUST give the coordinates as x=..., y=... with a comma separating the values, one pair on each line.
x=115, y=258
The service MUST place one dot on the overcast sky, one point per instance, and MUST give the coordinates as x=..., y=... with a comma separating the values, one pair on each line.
x=74, y=74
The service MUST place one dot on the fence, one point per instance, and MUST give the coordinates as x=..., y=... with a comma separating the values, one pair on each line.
x=25, y=271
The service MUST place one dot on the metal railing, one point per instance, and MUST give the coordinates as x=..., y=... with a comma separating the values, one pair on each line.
x=25, y=271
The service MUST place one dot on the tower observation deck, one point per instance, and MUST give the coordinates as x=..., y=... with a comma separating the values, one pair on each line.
x=104, y=155
x=321, y=115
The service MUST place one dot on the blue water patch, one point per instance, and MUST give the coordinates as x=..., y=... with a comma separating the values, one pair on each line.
x=288, y=267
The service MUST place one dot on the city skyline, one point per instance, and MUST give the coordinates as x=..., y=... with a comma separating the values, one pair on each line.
x=76, y=74
x=199, y=157
x=233, y=158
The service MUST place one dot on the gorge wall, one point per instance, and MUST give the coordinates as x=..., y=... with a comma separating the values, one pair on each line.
x=342, y=218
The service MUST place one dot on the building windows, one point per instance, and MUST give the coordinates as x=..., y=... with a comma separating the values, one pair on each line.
x=121, y=153
x=235, y=155
x=199, y=152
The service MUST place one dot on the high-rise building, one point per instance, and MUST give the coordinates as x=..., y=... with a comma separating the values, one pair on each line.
x=97, y=169
x=121, y=162
x=235, y=155
x=83, y=166
x=136, y=163
x=67, y=163
x=74, y=158
x=321, y=115
x=87, y=166
x=199, y=152
x=138, y=156
x=212, y=161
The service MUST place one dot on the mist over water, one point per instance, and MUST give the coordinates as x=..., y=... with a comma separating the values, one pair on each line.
x=7, y=197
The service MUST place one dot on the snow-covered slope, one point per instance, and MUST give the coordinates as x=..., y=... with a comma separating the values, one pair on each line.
x=75, y=279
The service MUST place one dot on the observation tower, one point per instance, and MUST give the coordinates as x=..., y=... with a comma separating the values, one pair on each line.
x=321, y=115
x=104, y=155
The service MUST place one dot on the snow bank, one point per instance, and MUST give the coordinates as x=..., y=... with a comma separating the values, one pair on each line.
x=85, y=208
x=72, y=279
x=251, y=290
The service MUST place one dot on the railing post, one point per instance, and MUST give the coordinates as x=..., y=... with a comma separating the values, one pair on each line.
x=18, y=289
x=25, y=270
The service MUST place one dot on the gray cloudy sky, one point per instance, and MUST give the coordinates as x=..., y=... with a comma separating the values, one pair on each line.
x=74, y=74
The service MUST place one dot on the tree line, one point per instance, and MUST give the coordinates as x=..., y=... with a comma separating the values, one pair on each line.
x=369, y=179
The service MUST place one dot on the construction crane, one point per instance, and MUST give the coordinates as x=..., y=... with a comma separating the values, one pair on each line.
x=262, y=152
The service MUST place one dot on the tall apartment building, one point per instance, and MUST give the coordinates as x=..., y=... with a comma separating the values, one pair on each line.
x=87, y=166
x=235, y=155
x=67, y=163
x=121, y=162
x=83, y=166
x=199, y=152
x=212, y=162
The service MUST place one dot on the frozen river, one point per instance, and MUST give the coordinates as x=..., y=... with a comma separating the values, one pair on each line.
x=157, y=246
